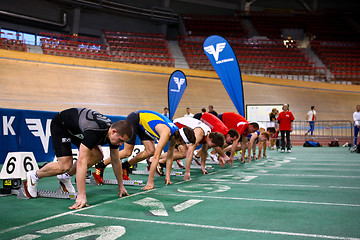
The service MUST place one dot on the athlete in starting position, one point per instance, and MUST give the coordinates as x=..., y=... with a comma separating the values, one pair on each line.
x=203, y=136
x=87, y=129
x=148, y=126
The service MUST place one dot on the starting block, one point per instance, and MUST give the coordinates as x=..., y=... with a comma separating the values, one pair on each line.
x=10, y=187
x=115, y=182
x=207, y=167
x=59, y=193
x=146, y=172
x=195, y=164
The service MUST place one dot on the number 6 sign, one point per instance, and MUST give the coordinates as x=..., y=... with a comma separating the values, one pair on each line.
x=17, y=164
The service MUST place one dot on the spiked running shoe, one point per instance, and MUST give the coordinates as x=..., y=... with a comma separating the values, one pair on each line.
x=65, y=182
x=30, y=186
x=180, y=164
x=126, y=174
x=99, y=174
x=148, y=164
x=160, y=169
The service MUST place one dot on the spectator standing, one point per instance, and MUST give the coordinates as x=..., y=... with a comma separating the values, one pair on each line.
x=356, y=117
x=212, y=111
x=166, y=112
x=311, y=117
x=285, y=119
x=188, y=113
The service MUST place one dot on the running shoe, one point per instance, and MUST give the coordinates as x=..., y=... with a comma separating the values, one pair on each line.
x=214, y=157
x=148, y=164
x=30, y=186
x=289, y=150
x=65, y=182
x=282, y=150
x=160, y=169
x=180, y=164
x=126, y=174
x=99, y=174
x=196, y=160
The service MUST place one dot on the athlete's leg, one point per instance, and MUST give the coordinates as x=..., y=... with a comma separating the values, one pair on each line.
x=148, y=152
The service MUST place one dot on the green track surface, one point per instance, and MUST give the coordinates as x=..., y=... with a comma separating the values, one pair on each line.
x=311, y=193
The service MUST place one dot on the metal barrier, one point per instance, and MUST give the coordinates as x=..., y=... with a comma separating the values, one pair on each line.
x=324, y=130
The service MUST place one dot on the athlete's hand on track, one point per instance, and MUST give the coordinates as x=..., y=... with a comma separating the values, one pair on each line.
x=187, y=176
x=221, y=161
x=168, y=182
x=79, y=203
x=123, y=192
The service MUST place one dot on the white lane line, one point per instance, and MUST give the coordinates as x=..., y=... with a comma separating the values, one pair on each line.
x=299, y=175
x=323, y=164
x=308, y=169
x=269, y=184
x=217, y=227
x=284, y=185
x=261, y=200
x=189, y=203
x=341, y=187
x=92, y=206
x=69, y=212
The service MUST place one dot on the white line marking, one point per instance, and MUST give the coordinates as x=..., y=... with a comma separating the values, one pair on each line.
x=302, y=175
x=308, y=169
x=65, y=228
x=156, y=207
x=186, y=204
x=74, y=211
x=286, y=185
x=218, y=227
x=69, y=212
x=263, y=200
x=271, y=184
x=344, y=187
x=324, y=164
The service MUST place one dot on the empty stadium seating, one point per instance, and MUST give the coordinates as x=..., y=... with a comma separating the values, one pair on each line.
x=11, y=44
x=341, y=58
x=139, y=48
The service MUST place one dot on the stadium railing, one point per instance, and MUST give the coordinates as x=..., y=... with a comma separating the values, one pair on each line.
x=324, y=131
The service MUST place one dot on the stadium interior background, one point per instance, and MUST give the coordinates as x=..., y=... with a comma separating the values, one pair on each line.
x=144, y=36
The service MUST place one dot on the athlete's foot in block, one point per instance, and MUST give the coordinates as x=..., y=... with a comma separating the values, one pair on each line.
x=204, y=171
x=187, y=177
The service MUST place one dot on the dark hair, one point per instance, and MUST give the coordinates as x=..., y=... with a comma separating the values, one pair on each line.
x=217, y=138
x=189, y=133
x=312, y=107
x=271, y=130
x=255, y=125
x=203, y=110
x=123, y=127
x=233, y=133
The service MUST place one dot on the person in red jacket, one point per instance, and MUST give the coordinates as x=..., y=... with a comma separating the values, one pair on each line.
x=285, y=119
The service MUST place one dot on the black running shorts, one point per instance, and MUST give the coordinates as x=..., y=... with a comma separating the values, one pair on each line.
x=61, y=138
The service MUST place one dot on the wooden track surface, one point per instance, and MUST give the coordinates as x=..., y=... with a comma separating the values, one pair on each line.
x=42, y=82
